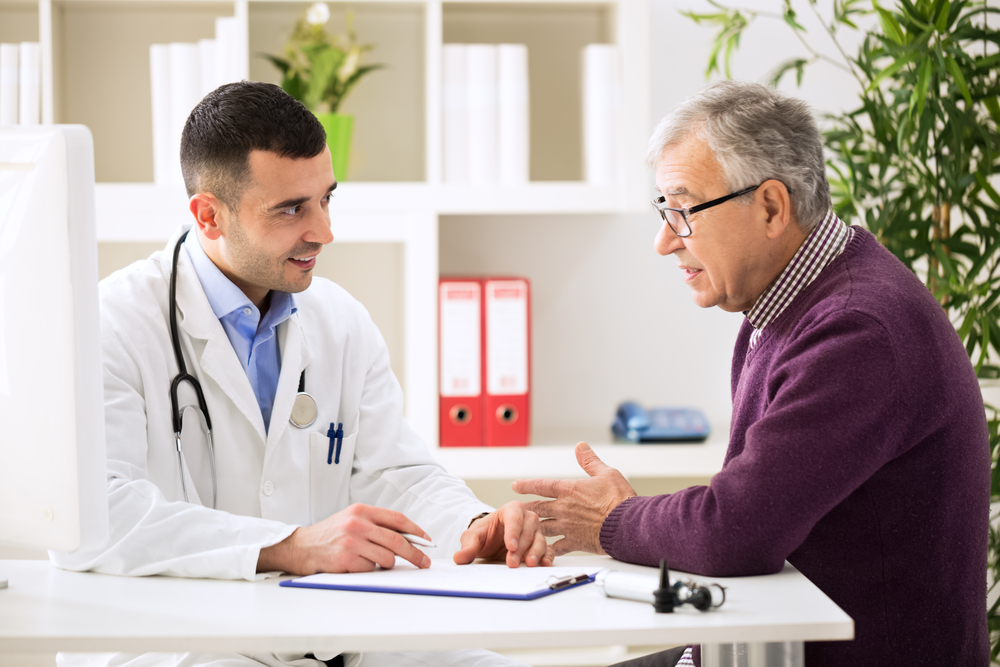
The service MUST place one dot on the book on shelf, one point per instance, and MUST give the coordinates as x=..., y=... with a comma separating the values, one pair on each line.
x=512, y=116
x=29, y=84
x=181, y=74
x=481, y=113
x=601, y=94
x=210, y=74
x=20, y=84
x=184, y=96
x=8, y=83
x=159, y=77
x=485, y=114
x=453, y=113
x=230, y=50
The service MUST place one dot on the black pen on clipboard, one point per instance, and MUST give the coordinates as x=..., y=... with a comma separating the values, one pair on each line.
x=558, y=583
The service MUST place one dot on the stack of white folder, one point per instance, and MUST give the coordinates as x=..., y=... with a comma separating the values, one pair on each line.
x=485, y=114
x=181, y=75
x=20, y=84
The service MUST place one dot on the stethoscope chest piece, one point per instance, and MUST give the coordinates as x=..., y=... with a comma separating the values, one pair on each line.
x=303, y=411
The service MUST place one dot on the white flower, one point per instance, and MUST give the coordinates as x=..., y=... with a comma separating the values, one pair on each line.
x=318, y=14
x=350, y=65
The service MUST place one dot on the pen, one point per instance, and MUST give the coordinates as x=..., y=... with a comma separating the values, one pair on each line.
x=336, y=435
x=419, y=541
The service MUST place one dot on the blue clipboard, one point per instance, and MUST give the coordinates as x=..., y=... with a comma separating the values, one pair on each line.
x=489, y=581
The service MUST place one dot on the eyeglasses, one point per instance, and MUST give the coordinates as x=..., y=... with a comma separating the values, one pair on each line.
x=679, y=219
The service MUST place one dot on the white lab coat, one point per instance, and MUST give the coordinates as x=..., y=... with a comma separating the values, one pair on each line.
x=268, y=483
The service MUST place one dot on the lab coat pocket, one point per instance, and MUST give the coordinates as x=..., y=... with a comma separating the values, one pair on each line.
x=329, y=481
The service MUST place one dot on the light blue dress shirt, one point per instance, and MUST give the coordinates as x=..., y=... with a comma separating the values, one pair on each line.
x=254, y=341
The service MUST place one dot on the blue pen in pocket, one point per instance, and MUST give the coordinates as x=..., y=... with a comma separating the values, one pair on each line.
x=336, y=435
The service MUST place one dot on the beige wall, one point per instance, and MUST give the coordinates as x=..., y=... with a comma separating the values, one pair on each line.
x=20, y=22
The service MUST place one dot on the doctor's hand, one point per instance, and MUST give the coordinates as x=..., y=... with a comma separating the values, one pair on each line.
x=355, y=539
x=579, y=506
x=511, y=532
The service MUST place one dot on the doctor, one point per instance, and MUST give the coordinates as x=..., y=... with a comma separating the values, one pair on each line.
x=301, y=461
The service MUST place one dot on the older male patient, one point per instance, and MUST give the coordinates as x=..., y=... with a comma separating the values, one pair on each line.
x=858, y=447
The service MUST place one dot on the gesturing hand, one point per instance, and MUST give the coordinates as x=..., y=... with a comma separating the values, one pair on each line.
x=353, y=540
x=580, y=506
x=511, y=532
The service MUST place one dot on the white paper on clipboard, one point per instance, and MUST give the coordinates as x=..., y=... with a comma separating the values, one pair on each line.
x=476, y=580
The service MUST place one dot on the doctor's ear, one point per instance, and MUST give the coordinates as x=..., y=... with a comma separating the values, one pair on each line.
x=207, y=210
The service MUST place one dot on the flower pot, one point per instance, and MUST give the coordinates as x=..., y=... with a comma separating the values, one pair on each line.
x=339, y=128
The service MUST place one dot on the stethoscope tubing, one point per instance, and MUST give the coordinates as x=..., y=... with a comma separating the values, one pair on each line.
x=302, y=399
x=184, y=376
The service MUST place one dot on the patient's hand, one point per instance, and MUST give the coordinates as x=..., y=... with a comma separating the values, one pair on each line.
x=579, y=506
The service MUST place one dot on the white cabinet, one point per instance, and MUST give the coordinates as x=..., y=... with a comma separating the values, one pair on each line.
x=96, y=72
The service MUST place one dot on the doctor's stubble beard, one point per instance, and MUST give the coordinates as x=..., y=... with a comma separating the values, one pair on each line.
x=254, y=265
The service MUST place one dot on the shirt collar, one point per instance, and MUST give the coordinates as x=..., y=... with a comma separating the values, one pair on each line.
x=223, y=295
x=826, y=241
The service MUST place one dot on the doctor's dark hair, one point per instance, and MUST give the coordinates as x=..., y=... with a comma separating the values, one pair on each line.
x=756, y=134
x=233, y=120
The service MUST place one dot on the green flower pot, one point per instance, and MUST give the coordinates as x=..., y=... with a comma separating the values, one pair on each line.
x=339, y=128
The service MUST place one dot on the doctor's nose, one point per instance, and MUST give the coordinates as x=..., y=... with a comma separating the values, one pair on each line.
x=320, y=229
x=667, y=242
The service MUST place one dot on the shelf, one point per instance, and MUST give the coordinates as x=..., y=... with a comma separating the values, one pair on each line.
x=396, y=196
x=557, y=461
x=361, y=212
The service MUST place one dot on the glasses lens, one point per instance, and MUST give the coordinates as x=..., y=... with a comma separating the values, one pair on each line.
x=676, y=221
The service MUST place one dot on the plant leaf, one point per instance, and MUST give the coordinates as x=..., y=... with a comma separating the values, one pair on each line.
x=324, y=65
x=797, y=64
x=956, y=73
x=360, y=72
x=993, y=104
x=890, y=26
x=989, y=189
x=280, y=63
x=789, y=17
x=941, y=25
x=897, y=65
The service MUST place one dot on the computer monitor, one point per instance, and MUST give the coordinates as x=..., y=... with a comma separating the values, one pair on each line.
x=53, y=479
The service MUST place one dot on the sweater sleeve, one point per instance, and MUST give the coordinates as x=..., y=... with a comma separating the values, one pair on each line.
x=827, y=400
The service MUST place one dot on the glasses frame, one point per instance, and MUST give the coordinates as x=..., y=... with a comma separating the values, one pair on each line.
x=686, y=213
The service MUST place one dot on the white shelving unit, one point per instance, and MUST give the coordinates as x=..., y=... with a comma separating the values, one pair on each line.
x=405, y=213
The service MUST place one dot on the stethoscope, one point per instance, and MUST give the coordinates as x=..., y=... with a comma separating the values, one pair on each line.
x=303, y=414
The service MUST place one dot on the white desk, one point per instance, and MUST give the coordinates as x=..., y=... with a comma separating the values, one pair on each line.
x=46, y=609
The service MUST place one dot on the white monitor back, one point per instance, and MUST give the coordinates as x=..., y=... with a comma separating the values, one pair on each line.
x=53, y=488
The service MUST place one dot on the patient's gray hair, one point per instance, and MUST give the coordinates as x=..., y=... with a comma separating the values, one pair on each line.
x=756, y=134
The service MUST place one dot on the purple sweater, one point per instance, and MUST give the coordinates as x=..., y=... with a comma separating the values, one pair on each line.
x=858, y=452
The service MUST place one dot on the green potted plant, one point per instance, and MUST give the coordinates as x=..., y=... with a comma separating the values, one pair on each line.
x=917, y=160
x=319, y=70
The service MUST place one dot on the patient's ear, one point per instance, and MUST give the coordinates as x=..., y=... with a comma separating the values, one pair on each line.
x=776, y=208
